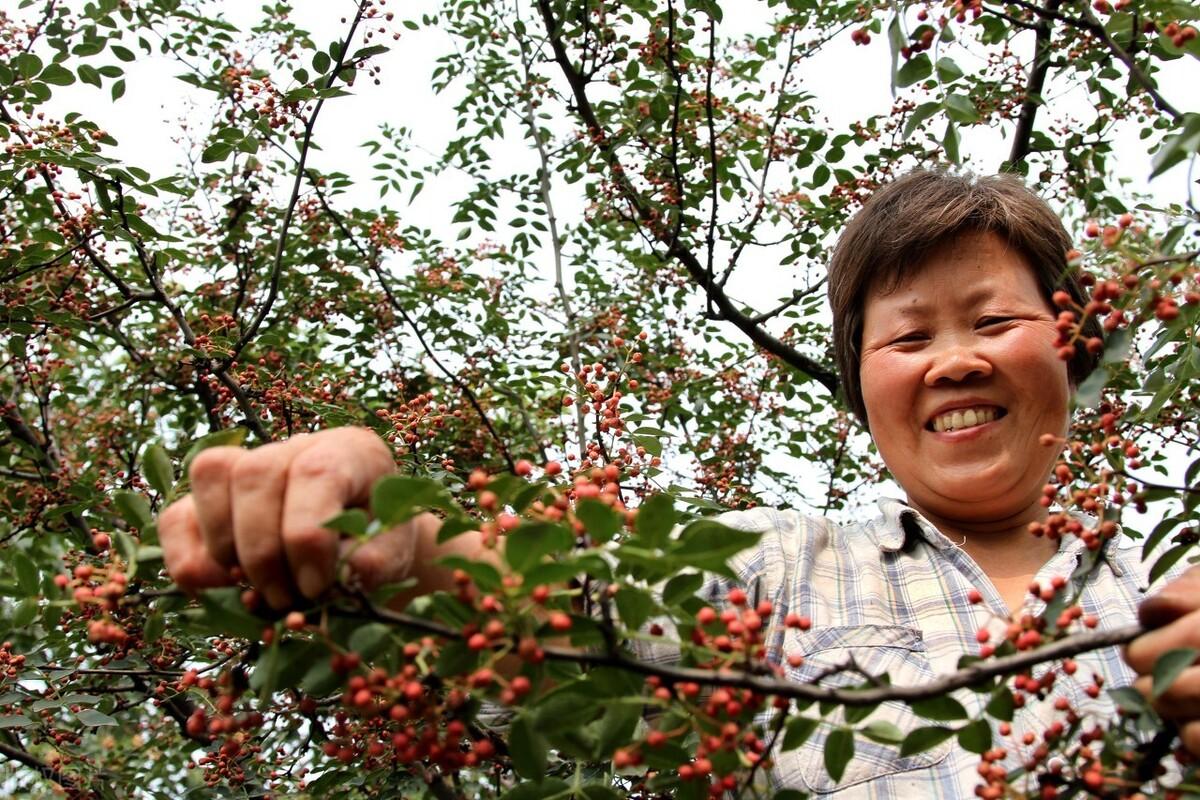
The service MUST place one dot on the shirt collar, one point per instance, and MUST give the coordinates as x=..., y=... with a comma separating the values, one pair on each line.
x=899, y=525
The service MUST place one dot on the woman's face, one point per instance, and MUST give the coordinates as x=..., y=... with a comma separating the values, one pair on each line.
x=960, y=379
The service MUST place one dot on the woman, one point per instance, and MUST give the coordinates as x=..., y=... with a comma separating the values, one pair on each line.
x=944, y=332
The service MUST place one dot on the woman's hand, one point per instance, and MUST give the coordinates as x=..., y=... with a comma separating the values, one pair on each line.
x=1173, y=615
x=261, y=510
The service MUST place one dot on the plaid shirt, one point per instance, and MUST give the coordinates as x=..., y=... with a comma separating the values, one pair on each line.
x=893, y=594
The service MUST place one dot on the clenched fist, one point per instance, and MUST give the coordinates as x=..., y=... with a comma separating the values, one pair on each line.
x=262, y=509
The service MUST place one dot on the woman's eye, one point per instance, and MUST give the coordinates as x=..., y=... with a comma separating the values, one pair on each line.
x=914, y=336
x=986, y=321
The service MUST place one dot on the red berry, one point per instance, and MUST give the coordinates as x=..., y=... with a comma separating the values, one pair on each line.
x=523, y=467
x=560, y=621
x=975, y=596
x=295, y=621
x=553, y=468
x=737, y=596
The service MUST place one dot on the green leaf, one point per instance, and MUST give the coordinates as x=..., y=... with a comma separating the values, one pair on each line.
x=950, y=143
x=25, y=613
x=797, y=732
x=93, y=718
x=939, y=709
x=455, y=525
x=370, y=639
x=960, y=109
x=947, y=70
x=133, y=507
x=352, y=521
x=976, y=737
x=217, y=151
x=527, y=749
x=29, y=582
x=1169, y=666
x=681, y=587
x=839, y=749
x=617, y=726
x=918, y=116
x=399, y=498
x=708, y=544
x=485, y=576
x=157, y=470
x=917, y=68
x=224, y=612
x=525, y=546
x=27, y=64
x=123, y=53
x=601, y=521
x=321, y=62
x=635, y=605
x=15, y=721
x=1179, y=147
x=89, y=74
x=1001, y=706
x=57, y=75
x=1167, y=560
x=655, y=519
x=883, y=732
x=923, y=739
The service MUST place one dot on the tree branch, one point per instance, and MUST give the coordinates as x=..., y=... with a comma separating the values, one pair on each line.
x=555, y=239
x=47, y=459
x=645, y=215
x=372, y=262
x=1033, y=88
x=23, y=756
x=281, y=244
x=766, y=684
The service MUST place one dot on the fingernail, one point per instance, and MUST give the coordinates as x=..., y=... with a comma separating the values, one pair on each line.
x=310, y=580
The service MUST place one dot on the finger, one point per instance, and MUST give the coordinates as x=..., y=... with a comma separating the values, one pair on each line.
x=1189, y=733
x=383, y=559
x=1143, y=651
x=184, y=552
x=1181, y=701
x=336, y=471
x=210, y=474
x=257, y=485
x=1177, y=598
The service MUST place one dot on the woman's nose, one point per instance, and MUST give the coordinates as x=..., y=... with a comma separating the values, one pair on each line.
x=956, y=361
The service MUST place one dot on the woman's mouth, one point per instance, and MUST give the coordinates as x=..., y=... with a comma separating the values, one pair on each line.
x=961, y=418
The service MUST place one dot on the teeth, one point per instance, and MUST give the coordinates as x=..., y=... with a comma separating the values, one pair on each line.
x=964, y=418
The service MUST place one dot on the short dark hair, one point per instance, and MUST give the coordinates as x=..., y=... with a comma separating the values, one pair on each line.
x=907, y=219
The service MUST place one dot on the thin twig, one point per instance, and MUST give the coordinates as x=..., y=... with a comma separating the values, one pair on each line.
x=645, y=215
x=556, y=243
x=281, y=245
x=372, y=262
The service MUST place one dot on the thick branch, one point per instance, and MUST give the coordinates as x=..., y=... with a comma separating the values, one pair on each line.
x=1033, y=88
x=47, y=459
x=646, y=215
x=22, y=756
x=973, y=675
x=1089, y=23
